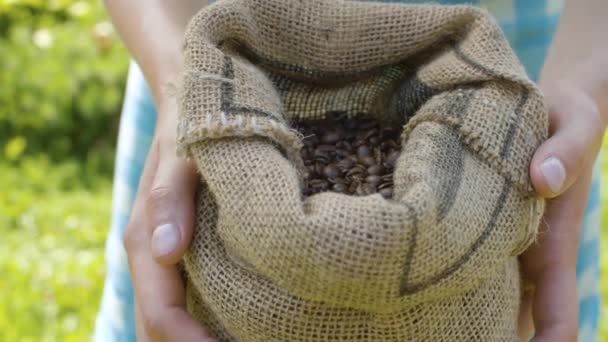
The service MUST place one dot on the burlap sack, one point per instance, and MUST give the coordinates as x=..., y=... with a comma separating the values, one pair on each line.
x=435, y=263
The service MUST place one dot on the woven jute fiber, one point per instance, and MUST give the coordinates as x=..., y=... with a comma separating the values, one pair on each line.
x=438, y=261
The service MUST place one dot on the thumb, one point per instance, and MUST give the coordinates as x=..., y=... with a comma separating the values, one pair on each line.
x=577, y=131
x=170, y=206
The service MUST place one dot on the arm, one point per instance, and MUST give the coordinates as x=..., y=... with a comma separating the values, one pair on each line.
x=575, y=82
x=160, y=224
x=154, y=36
x=579, y=51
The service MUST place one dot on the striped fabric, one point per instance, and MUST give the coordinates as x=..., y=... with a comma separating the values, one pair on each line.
x=529, y=26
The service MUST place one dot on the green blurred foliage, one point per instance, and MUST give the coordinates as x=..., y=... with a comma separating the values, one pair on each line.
x=51, y=257
x=63, y=70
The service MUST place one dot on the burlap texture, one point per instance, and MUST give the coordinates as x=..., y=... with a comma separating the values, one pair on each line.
x=435, y=263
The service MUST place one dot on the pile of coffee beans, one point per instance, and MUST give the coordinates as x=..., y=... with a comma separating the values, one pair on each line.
x=354, y=156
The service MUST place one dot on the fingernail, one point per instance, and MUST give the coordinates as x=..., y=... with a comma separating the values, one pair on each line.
x=554, y=172
x=165, y=239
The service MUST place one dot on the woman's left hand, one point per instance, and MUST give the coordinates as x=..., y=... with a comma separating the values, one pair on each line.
x=561, y=172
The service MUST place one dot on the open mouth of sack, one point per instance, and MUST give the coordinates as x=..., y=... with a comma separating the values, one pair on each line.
x=353, y=156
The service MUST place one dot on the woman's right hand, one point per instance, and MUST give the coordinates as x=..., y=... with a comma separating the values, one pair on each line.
x=158, y=234
x=160, y=226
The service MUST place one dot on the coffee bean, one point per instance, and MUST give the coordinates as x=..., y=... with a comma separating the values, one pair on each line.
x=368, y=161
x=321, y=156
x=345, y=164
x=358, y=142
x=387, y=178
x=356, y=170
x=331, y=171
x=385, y=185
x=319, y=184
x=391, y=159
x=331, y=137
x=340, y=153
x=367, y=124
x=326, y=148
x=375, y=169
x=339, y=187
x=319, y=168
x=363, y=152
x=374, y=141
x=386, y=192
x=373, y=180
x=343, y=145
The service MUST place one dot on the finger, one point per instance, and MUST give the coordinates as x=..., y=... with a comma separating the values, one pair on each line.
x=551, y=265
x=170, y=206
x=525, y=324
x=558, y=161
x=142, y=336
x=555, y=308
x=159, y=290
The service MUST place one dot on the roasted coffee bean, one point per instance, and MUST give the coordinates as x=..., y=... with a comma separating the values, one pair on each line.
x=321, y=156
x=356, y=170
x=319, y=184
x=340, y=187
x=386, y=192
x=341, y=154
x=367, y=124
x=391, y=158
x=388, y=145
x=331, y=171
x=319, y=168
x=385, y=185
x=368, y=161
x=343, y=145
x=358, y=142
x=326, y=148
x=371, y=133
x=363, y=151
x=374, y=141
x=340, y=180
x=387, y=178
x=331, y=137
x=307, y=153
x=373, y=180
x=345, y=164
x=375, y=169
x=365, y=189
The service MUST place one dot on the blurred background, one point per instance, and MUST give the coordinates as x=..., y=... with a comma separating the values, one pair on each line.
x=62, y=76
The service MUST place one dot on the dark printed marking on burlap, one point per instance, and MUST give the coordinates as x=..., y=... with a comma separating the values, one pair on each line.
x=516, y=119
x=227, y=88
x=447, y=170
x=451, y=162
x=506, y=147
x=409, y=289
x=227, y=94
x=403, y=288
x=470, y=61
x=409, y=96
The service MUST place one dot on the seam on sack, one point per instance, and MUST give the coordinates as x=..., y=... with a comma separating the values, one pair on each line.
x=514, y=124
